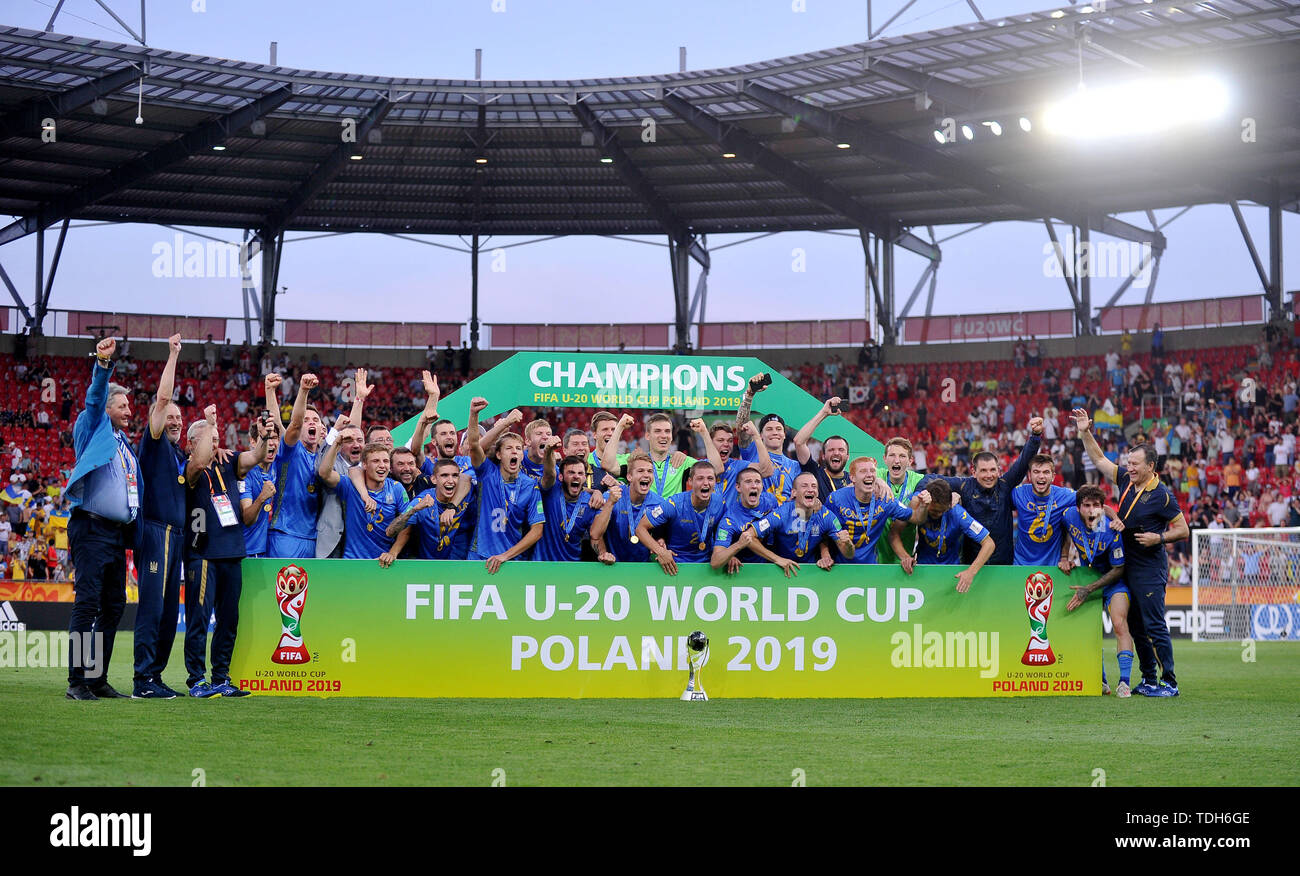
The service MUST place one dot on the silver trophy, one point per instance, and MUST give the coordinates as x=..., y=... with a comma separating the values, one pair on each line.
x=697, y=654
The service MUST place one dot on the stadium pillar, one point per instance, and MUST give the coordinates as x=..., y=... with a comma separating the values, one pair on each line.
x=272, y=242
x=679, y=251
x=1084, y=274
x=37, y=318
x=473, y=295
x=1274, y=291
x=887, y=293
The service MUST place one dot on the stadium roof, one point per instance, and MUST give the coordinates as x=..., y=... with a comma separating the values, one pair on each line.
x=284, y=165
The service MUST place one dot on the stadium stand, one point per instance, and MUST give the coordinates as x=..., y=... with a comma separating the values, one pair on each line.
x=1190, y=403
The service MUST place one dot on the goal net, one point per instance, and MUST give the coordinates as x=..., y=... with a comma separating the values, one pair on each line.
x=1250, y=580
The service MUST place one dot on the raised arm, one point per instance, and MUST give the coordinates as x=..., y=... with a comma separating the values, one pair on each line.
x=166, y=383
x=325, y=465
x=360, y=392
x=256, y=454
x=293, y=431
x=710, y=451
x=756, y=385
x=764, y=461
x=549, y=452
x=271, y=388
x=1020, y=467
x=1083, y=423
x=498, y=429
x=201, y=454
x=609, y=456
x=804, y=435
x=427, y=418
x=476, y=452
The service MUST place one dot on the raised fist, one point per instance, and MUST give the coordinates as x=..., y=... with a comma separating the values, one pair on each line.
x=273, y=380
x=342, y=422
x=309, y=382
x=210, y=414
x=477, y=405
x=615, y=493
x=1036, y=425
x=626, y=421
x=553, y=444
x=426, y=502
x=515, y=416
x=697, y=425
x=105, y=348
x=174, y=343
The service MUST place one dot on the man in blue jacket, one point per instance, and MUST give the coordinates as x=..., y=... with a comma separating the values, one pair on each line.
x=104, y=492
x=987, y=497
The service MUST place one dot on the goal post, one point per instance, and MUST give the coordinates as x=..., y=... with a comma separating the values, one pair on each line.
x=1253, y=576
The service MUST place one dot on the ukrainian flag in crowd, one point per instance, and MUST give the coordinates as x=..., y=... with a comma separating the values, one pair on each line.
x=1108, y=421
x=13, y=495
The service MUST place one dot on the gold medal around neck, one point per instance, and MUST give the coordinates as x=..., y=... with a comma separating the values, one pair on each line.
x=180, y=479
x=370, y=527
x=634, y=540
x=267, y=507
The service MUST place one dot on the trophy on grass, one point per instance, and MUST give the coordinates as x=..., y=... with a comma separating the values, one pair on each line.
x=697, y=654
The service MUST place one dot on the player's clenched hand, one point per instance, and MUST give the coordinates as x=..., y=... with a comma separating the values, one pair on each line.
x=1036, y=425
x=597, y=500
x=626, y=421
x=552, y=445
x=308, y=382
x=342, y=422
x=477, y=404
x=615, y=492
x=272, y=381
x=104, y=349
x=697, y=426
x=1117, y=524
x=606, y=557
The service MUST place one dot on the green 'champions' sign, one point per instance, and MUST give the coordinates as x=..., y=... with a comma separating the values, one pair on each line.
x=617, y=381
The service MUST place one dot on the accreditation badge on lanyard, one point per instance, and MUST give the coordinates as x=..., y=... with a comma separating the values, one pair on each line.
x=132, y=478
x=221, y=501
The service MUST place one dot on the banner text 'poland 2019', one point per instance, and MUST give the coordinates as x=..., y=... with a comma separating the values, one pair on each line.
x=449, y=629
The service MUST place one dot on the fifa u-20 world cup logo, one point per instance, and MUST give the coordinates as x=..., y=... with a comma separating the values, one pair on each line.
x=291, y=594
x=1038, y=602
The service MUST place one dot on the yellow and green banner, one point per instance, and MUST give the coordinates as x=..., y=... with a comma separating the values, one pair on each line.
x=449, y=629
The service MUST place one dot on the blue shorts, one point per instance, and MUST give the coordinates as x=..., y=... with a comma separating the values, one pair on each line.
x=1111, y=590
x=282, y=545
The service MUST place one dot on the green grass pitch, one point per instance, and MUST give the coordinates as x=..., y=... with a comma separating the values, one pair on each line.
x=1235, y=724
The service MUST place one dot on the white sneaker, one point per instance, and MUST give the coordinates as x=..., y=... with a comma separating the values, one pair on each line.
x=1123, y=690
x=1105, y=689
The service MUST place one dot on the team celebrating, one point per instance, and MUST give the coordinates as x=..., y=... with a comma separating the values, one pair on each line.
x=496, y=495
